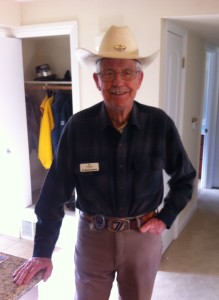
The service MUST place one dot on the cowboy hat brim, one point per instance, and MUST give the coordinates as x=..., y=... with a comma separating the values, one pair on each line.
x=89, y=59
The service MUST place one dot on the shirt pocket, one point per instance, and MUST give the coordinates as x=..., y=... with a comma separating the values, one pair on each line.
x=147, y=176
x=92, y=185
x=150, y=163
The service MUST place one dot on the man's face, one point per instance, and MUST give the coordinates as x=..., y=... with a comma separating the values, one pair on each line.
x=118, y=91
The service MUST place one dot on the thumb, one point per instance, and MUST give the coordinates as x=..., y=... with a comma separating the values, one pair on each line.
x=144, y=228
x=47, y=273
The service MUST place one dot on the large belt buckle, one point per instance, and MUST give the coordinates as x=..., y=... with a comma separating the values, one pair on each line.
x=98, y=222
x=117, y=224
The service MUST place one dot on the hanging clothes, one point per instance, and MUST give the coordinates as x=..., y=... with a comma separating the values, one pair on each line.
x=33, y=121
x=45, y=151
x=62, y=111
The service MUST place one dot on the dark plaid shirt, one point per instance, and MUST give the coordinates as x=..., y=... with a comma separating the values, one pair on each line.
x=126, y=176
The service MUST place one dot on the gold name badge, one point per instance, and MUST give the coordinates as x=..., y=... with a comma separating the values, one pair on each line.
x=89, y=167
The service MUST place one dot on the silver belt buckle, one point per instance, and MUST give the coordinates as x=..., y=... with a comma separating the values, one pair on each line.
x=98, y=222
x=117, y=224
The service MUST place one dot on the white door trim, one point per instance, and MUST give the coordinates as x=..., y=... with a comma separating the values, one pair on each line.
x=56, y=29
x=44, y=29
x=171, y=27
x=181, y=32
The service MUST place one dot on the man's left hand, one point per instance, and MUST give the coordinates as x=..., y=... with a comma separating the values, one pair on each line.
x=154, y=225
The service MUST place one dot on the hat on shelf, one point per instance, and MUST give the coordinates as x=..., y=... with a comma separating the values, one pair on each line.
x=44, y=73
x=118, y=42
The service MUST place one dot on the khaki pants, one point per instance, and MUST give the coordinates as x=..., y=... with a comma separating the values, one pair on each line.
x=100, y=255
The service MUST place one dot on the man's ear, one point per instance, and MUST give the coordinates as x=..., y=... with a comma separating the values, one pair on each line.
x=96, y=79
x=141, y=76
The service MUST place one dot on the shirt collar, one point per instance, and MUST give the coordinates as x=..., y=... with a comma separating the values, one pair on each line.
x=134, y=117
x=104, y=117
x=105, y=120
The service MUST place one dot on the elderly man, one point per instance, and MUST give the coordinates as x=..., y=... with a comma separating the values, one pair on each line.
x=114, y=154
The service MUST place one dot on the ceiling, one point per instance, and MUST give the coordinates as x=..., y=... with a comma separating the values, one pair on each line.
x=206, y=27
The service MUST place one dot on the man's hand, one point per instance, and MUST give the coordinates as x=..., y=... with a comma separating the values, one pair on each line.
x=154, y=225
x=26, y=272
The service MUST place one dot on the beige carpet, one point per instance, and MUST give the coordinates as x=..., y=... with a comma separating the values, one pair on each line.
x=190, y=266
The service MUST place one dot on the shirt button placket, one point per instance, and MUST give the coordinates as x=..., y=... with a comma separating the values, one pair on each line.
x=121, y=172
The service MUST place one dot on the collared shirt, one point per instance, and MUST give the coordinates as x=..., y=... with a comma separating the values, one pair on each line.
x=115, y=174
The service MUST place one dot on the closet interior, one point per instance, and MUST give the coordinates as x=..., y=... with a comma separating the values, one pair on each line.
x=48, y=91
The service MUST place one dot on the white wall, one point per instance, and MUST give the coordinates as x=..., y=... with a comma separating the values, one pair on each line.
x=144, y=18
x=10, y=12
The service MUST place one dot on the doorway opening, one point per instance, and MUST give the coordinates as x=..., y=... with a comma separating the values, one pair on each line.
x=208, y=146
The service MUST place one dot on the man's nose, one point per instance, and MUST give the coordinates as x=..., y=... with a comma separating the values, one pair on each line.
x=118, y=77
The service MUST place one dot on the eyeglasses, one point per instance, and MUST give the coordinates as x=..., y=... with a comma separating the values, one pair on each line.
x=110, y=75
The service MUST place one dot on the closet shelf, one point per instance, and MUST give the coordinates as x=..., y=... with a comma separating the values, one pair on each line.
x=48, y=85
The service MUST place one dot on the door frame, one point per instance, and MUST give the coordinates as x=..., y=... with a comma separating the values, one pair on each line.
x=172, y=27
x=43, y=30
x=56, y=29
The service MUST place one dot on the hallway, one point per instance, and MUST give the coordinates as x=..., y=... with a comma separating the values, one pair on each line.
x=189, y=269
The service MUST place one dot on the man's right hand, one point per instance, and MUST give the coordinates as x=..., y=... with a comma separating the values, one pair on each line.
x=26, y=272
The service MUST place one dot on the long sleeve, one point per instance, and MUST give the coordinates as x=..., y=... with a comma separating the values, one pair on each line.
x=182, y=175
x=56, y=191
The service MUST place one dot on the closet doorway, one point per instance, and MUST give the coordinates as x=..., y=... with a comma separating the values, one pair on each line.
x=61, y=35
x=51, y=44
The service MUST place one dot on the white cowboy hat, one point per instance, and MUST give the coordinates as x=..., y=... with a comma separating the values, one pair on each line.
x=118, y=42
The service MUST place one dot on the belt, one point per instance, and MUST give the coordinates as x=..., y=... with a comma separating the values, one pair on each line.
x=100, y=222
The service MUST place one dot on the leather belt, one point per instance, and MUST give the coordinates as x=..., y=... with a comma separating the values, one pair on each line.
x=100, y=222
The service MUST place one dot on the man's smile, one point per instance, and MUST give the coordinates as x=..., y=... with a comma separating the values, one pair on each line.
x=119, y=91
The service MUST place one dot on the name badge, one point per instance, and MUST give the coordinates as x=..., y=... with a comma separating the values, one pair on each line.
x=89, y=167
